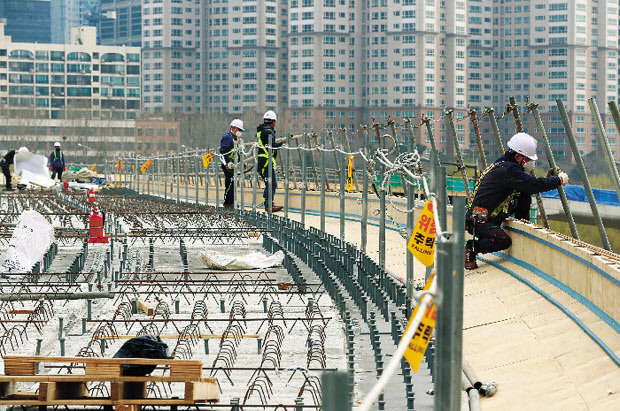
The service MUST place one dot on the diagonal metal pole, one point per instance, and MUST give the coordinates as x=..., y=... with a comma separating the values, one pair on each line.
x=431, y=138
x=392, y=126
x=533, y=107
x=541, y=207
x=474, y=122
x=459, y=156
x=496, y=133
x=178, y=177
x=336, y=159
x=584, y=175
x=603, y=136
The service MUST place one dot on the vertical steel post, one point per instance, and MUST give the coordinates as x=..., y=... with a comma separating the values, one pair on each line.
x=235, y=185
x=459, y=156
x=382, y=204
x=543, y=134
x=364, y=220
x=304, y=181
x=186, y=168
x=299, y=152
x=270, y=171
x=496, y=132
x=312, y=163
x=287, y=165
x=207, y=182
x=216, y=175
x=178, y=176
x=165, y=178
x=343, y=181
x=410, y=226
x=323, y=180
x=136, y=175
x=335, y=388
x=449, y=333
x=474, y=122
x=242, y=174
x=336, y=161
x=520, y=129
x=196, y=160
x=603, y=137
x=255, y=185
x=584, y=175
x=392, y=126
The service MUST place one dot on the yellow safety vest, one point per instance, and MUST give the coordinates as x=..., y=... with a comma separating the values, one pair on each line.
x=265, y=153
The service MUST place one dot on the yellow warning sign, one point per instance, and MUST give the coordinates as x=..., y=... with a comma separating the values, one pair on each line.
x=419, y=341
x=206, y=159
x=422, y=241
x=350, y=174
x=146, y=166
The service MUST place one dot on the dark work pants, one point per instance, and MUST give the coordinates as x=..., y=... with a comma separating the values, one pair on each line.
x=489, y=238
x=6, y=170
x=267, y=186
x=229, y=193
x=57, y=170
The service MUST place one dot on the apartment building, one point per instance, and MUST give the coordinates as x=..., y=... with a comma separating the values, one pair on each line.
x=74, y=93
x=27, y=21
x=543, y=51
x=245, y=56
x=172, y=56
x=121, y=23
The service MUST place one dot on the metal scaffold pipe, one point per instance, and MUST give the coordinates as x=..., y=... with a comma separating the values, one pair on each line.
x=474, y=122
x=543, y=134
x=520, y=129
x=364, y=219
x=584, y=175
x=603, y=136
x=459, y=157
x=498, y=137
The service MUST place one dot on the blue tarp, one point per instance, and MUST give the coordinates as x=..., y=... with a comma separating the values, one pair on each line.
x=577, y=193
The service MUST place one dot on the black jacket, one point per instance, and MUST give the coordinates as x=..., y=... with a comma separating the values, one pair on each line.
x=10, y=157
x=502, y=180
x=227, y=144
x=267, y=134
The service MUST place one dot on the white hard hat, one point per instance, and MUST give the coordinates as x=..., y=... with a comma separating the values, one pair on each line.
x=524, y=144
x=57, y=144
x=237, y=123
x=23, y=150
x=270, y=115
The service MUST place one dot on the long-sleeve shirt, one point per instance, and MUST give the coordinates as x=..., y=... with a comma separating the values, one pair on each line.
x=57, y=159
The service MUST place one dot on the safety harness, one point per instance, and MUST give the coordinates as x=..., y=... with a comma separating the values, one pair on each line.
x=265, y=154
x=479, y=213
x=56, y=157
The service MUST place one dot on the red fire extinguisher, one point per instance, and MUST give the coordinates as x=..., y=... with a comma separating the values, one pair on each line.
x=91, y=196
x=96, y=233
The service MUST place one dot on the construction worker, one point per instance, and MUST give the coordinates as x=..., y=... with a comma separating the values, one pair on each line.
x=227, y=150
x=5, y=163
x=266, y=136
x=57, y=162
x=503, y=189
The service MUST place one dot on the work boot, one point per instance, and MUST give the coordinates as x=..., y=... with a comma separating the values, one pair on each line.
x=229, y=206
x=470, y=257
x=9, y=189
x=274, y=209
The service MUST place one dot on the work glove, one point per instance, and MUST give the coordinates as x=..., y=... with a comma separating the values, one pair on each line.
x=51, y=168
x=64, y=168
x=550, y=172
x=230, y=165
x=563, y=178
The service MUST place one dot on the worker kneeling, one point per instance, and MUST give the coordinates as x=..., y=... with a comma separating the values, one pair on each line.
x=503, y=189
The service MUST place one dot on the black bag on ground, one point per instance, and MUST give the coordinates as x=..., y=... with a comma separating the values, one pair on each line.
x=145, y=346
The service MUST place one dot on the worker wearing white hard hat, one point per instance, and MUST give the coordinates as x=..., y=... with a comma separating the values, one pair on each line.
x=57, y=162
x=227, y=153
x=266, y=135
x=505, y=189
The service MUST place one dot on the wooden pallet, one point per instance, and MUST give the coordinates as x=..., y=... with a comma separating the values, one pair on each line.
x=126, y=393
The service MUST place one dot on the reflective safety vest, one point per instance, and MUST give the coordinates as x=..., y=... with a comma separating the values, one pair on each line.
x=55, y=156
x=264, y=152
x=504, y=205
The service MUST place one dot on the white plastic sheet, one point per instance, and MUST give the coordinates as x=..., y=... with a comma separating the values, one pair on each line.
x=31, y=238
x=32, y=169
x=257, y=260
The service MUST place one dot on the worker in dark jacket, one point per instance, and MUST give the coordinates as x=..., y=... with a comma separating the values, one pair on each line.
x=266, y=136
x=227, y=150
x=504, y=188
x=57, y=162
x=5, y=163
